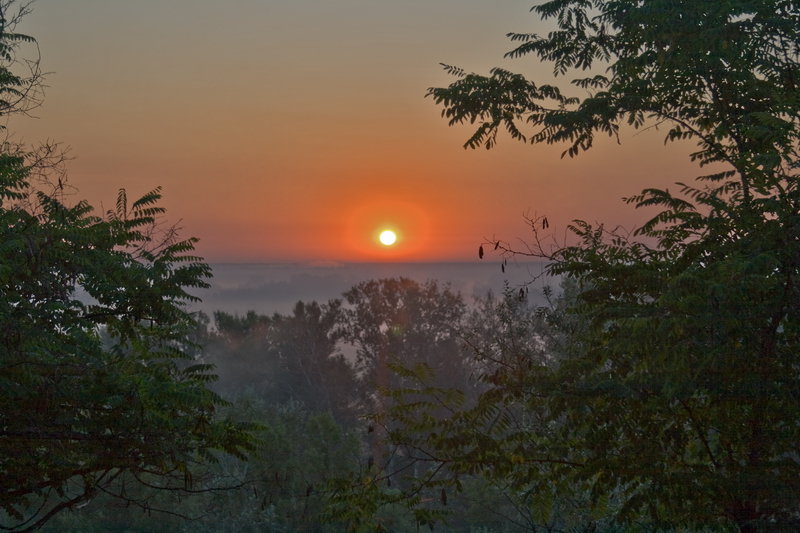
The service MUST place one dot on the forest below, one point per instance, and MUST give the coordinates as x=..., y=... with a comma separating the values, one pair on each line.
x=320, y=384
x=657, y=390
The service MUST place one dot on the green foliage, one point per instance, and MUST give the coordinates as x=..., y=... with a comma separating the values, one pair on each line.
x=287, y=480
x=285, y=484
x=432, y=438
x=501, y=444
x=669, y=392
x=406, y=337
x=18, y=92
x=688, y=364
x=411, y=343
x=97, y=381
x=398, y=320
x=721, y=73
x=286, y=358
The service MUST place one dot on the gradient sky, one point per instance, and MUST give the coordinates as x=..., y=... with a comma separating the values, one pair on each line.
x=293, y=130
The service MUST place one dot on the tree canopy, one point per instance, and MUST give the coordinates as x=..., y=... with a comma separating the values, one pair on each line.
x=723, y=74
x=97, y=380
x=671, y=395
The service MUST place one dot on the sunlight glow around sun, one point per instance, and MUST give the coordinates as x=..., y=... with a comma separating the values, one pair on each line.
x=388, y=237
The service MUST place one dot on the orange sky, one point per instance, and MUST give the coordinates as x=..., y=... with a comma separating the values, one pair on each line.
x=292, y=130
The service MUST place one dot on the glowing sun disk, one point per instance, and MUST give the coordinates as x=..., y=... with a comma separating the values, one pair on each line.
x=388, y=237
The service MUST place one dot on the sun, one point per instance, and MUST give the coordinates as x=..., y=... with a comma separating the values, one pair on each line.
x=388, y=237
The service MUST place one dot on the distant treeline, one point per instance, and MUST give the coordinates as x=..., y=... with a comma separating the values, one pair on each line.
x=319, y=384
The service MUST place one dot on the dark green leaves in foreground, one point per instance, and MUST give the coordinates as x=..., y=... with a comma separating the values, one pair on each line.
x=669, y=396
x=723, y=74
x=97, y=376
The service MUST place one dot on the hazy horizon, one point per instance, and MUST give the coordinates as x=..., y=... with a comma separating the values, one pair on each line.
x=275, y=287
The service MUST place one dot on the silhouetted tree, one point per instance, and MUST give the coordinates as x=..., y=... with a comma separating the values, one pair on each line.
x=287, y=358
x=398, y=321
x=96, y=379
x=674, y=401
x=237, y=346
x=315, y=371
